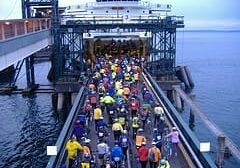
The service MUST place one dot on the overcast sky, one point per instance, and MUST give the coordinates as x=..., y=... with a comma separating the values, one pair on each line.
x=219, y=14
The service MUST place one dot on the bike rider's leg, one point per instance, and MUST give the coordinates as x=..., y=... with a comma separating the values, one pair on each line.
x=70, y=163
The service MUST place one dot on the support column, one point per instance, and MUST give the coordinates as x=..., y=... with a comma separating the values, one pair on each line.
x=73, y=97
x=192, y=116
x=220, y=150
x=32, y=70
x=30, y=76
x=28, y=73
x=2, y=31
x=60, y=101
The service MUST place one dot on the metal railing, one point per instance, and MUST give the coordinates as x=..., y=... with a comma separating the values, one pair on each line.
x=61, y=157
x=191, y=143
x=19, y=27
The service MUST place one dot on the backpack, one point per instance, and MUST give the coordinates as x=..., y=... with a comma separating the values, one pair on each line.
x=93, y=99
x=151, y=155
x=124, y=142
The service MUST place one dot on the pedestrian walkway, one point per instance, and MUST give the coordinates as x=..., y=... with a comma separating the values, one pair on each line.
x=117, y=95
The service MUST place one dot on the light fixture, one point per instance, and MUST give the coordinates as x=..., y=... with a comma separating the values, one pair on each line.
x=7, y=23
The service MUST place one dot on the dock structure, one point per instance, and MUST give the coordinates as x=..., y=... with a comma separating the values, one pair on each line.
x=75, y=42
x=212, y=127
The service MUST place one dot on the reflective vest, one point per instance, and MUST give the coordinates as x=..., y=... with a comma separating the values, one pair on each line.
x=139, y=140
x=135, y=122
x=166, y=165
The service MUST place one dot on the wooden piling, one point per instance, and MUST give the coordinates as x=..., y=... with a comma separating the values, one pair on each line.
x=221, y=144
x=192, y=116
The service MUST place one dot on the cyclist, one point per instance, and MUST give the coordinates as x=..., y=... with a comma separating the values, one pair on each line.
x=174, y=138
x=126, y=91
x=134, y=106
x=97, y=113
x=86, y=155
x=140, y=138
x=142, y=154
x=164, y=164
x=91, y=88
x=124, y=143
x=87, y=109
x=72, y=148
x=144, y=117
x=108, y=101
x=111, y=114
x=135, y=125
x=117, y=129
x=154, y=155
x=117, y=154
x=122, y=116
x=158, y=112
x=101, y=123
x=103, y=151
x=78, y=130
x=147, y=97
x=93, y=100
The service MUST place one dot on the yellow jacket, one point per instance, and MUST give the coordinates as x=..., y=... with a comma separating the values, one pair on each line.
x=120, y=92
x=117, y=126
x=72, y=148
x=97, y=113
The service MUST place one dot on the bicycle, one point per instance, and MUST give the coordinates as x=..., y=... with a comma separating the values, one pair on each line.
x=167, y=144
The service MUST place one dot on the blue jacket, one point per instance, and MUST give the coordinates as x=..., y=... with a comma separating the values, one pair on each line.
x=78, y=130
x=101, y=123
x=124, y=141
x=116, y=152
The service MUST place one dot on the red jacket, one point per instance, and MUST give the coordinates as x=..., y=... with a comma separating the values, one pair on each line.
x=142, y=153
x=134, y=105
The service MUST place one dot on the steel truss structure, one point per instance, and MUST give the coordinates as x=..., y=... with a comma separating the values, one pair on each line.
x=161, y=61
x=69, y=46
x=27, y=4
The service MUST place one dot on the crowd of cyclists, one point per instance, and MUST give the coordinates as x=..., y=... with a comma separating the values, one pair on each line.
x=124, y=118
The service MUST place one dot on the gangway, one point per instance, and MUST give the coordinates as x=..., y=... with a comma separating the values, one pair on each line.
x=190, y=155
x=21, y=38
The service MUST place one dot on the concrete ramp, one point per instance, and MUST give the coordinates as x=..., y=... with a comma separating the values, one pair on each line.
x=15, y=49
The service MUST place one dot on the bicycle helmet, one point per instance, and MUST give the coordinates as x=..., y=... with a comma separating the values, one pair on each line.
x=163, y=161
x=87, y=141
x=174, y=128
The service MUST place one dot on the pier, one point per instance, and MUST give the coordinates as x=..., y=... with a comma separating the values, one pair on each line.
x=74, y=44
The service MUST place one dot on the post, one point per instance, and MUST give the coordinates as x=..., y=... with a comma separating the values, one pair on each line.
x=220, y=150
x=60, y=102
x=178, y=101
x=28, y=74
x=192, y=116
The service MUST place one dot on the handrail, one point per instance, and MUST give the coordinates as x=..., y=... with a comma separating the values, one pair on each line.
x=55, y=161
x=212, y=127
x=18, y=27
x=204, y=158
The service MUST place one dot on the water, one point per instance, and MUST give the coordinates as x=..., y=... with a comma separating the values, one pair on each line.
x=27, y=126
x=214, y=61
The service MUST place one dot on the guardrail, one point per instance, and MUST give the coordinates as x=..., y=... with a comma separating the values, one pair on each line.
x=18, y=27
x=56, y=161
x=204, y=158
